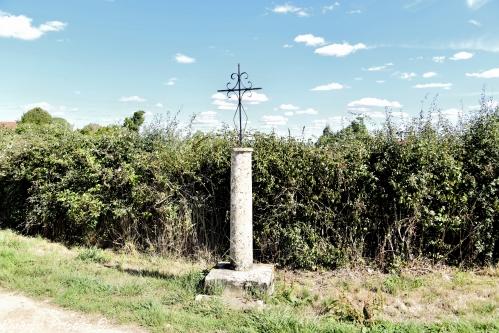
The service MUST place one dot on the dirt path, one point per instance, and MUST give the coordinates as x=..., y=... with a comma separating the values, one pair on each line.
x=20, y=314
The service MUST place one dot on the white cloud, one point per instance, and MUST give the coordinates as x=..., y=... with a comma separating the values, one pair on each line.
x=445, y=86
x=461, y=56
x=222, y=102
x=376, y=114
x=331, y=7
x=428, y=75
x=452, y=115
x=44, y=105
x=219, y=96
x=290, y=9
x=414, y=4
x=254, y=98
x=269, y=120
x=171, y=81
x=224, y=105
x=439, y=59
x=376, y=68
x=408, y=76
x=380, y=81
x=475, y=23
x=159, y=105
x=184, y=59
x=20, y=27
x=379, y=68
x=477, y=44
x=373, y=114
x=55, y=110
x=340, y=50
x=476, y=4
x=292, y=110
x=374, y=102
x=288, y=107
x=452, y=112
x=490, y=74
x=206, y=119
x=132, y=99
x=310, y=40
x=329, y=87
x=287, y=46
x=399, y=114
x=309, y=111
x=52, y=26
x=335, y=123
x=354, y=11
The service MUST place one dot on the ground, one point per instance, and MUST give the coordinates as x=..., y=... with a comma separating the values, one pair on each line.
x=22, y=314
x=158, y=294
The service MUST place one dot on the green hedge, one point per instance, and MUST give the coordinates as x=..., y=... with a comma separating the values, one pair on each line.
x=353, y=196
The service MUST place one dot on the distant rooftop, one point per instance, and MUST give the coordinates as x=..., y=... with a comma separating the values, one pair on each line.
x=8, y=124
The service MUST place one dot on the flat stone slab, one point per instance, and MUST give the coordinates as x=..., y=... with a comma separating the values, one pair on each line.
x=259, y=277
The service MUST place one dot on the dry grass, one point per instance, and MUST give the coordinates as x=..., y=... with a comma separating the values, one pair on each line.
x=416, y=293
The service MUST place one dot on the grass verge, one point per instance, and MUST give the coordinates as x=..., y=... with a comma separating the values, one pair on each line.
x=158, y=294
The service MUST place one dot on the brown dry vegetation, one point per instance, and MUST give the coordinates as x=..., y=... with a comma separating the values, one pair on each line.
x=418, y=292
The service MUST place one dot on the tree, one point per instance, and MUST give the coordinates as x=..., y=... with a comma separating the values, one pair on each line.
x=357, y=130
x=90, y=128
x=133, y=123
x=37, y=116
x=61, y=122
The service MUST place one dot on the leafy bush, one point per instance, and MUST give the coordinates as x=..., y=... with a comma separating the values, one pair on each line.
x=351, y=196
x=37, y=116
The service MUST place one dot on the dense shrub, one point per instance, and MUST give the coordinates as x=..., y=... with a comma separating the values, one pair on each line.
x=430, y=192
x=37, y=116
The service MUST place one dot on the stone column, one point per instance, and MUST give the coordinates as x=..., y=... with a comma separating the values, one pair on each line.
x=241, y=209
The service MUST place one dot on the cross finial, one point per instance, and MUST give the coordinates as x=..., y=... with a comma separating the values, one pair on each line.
x=239, y=85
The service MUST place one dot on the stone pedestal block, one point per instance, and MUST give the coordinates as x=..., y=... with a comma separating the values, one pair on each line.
x=241, y=210
x=259, y=278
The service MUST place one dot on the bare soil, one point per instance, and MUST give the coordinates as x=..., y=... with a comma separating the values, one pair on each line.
x=20, y=314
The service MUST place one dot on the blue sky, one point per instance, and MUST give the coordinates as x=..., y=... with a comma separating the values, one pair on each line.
x=319, y=62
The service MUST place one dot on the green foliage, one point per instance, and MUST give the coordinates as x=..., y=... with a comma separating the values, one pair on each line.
x=395, y=283
x=357, y=130
x=90, y=128
x=37, y=116
x=133, y=123
x=61, y=122
x=93, y=254
x=352, y=196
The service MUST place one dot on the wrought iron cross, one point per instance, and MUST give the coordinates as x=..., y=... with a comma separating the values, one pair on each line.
x=239, y=88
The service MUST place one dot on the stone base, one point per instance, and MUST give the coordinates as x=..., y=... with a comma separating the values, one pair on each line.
x=258, y=278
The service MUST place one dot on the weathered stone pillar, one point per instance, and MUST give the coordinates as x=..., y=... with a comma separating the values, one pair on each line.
x=241, y=209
